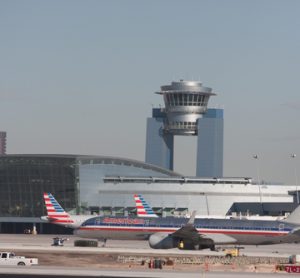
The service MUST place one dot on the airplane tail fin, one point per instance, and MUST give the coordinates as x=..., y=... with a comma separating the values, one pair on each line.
x=56, y=214
x=294, y=217
x=143, y=209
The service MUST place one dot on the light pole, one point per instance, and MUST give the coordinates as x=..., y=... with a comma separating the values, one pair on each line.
x=293, y=156
x=258, y=178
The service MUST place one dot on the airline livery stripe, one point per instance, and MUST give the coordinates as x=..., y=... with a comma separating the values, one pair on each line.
x=63, y=221
x=59, y=215
x=52, y=205
x=145, y=212
x=153, y=230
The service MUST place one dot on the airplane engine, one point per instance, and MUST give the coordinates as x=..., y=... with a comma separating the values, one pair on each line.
x=162, y=241
x=205, y=243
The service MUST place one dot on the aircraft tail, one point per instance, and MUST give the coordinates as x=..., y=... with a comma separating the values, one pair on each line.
x=56, y=214
x=143, y=209
x=294, y=217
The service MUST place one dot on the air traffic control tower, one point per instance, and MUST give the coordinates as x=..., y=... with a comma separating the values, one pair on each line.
x=186, y=113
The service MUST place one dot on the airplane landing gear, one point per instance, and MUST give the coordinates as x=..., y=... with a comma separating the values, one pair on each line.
x=103, y=242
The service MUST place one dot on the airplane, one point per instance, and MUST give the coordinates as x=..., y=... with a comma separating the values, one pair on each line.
x=172, y=232
x=57, y=215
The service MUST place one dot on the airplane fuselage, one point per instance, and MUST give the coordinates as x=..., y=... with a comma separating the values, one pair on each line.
x=222, y=231
x=73, y=223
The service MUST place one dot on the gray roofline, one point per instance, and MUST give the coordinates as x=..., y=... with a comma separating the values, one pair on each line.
x=81, y=159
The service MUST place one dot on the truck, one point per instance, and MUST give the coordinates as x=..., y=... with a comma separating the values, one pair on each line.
x=232, y=252
x=9, y=258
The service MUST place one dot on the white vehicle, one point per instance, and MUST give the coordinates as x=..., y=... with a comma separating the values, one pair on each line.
x=9, y=258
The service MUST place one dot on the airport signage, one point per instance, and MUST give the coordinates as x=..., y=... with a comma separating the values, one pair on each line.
x=292, y=268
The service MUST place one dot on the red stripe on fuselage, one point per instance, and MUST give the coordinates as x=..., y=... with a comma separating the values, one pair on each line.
x=63, y=221
x=59, y=215
x=155, y=230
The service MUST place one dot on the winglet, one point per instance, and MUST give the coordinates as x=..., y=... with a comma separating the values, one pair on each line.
x=192, y=218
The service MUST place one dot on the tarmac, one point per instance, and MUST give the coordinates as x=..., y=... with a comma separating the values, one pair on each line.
x=131, y=259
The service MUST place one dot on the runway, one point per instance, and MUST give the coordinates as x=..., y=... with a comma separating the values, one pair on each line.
x=43, y=272
x=40, y=246
x=44, y=242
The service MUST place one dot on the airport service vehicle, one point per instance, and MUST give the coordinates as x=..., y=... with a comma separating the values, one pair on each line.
x=57, y=215
x=172, y=232
x=9, y=258
x=232, y=252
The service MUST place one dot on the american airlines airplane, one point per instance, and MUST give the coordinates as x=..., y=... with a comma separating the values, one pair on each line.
x=172, y=232
x=57, y=215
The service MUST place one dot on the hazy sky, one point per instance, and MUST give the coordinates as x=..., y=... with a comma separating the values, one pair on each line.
x=78, y=77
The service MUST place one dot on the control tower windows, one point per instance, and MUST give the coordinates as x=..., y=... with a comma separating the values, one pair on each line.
x=184, y=125
x=175, y=97
x=180, y=99
x=185, y=99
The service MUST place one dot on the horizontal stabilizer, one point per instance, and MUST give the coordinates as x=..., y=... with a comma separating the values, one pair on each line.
x=52, y=219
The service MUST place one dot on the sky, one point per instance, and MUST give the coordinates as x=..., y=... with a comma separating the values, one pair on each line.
x=78, y=77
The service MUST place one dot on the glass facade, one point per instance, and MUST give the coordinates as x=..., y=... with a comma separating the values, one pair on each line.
x=24, y=179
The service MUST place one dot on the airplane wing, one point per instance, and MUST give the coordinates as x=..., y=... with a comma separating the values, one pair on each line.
x=296, y=231
x=220, y=238
x=190, y=233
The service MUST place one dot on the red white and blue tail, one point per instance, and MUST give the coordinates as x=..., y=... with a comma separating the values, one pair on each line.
x=143, y=209
x=56, y=214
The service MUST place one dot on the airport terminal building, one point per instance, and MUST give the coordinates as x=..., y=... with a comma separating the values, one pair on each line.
x=105, y=185
x=85, y=184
